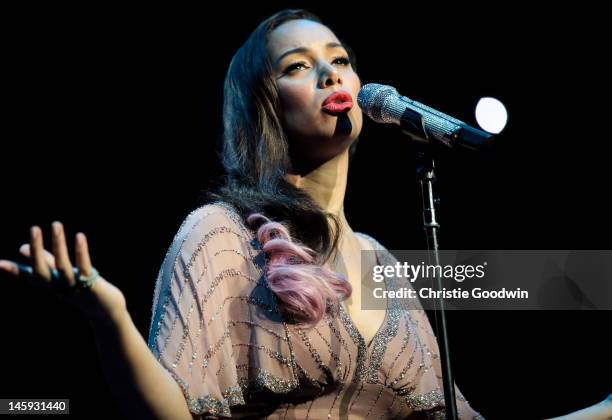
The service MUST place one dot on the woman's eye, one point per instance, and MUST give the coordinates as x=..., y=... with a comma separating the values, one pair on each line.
x=344, y=61
x=295, y=66
x=301, y=65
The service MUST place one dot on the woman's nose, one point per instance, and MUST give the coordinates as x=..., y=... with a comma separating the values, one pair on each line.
x=329, y=77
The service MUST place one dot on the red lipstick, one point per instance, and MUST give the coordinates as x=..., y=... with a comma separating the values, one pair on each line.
x=338, y=102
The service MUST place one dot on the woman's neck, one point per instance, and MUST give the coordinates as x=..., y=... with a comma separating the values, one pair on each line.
x=326, y=185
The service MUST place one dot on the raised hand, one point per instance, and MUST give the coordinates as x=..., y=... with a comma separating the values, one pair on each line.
x=80, y=286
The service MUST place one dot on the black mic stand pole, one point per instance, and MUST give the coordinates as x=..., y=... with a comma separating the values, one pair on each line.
x=426, y=178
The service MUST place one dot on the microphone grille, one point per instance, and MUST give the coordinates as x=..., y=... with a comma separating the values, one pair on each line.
x=372, y=99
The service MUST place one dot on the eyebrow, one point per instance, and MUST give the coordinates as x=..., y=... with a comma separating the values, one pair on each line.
x=305, y=50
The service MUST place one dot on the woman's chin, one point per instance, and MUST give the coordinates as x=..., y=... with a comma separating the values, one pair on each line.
x=339, y=126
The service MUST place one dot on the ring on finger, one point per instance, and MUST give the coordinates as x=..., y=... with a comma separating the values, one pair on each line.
x=86, y=282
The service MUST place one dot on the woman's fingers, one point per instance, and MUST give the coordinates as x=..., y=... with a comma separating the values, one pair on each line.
x=56, y=268
x=25, y=251
x=16, y=269
x=10, y=267
x=83, y=260
x=37, y=257
x=60, y=250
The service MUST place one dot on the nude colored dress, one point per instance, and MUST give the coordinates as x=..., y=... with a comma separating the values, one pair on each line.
x=216, y=329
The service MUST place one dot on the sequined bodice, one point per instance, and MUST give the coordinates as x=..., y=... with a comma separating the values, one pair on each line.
x=216, y=328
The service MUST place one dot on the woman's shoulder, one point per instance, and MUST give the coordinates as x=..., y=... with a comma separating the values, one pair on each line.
x=215, y=226
x=217, y=216
x=383, y=254
x=369, y=243
x=215, y=212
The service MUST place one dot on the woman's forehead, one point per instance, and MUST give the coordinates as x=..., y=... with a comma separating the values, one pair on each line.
x=299, y=34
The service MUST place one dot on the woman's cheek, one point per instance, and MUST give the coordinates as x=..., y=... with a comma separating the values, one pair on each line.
x=295, y=97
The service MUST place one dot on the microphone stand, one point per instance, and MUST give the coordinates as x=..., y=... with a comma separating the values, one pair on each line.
x=426, y=178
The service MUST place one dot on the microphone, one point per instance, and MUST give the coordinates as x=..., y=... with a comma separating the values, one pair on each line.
x=384, y=104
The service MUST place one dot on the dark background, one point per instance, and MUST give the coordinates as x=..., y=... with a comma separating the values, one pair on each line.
x=111, y=119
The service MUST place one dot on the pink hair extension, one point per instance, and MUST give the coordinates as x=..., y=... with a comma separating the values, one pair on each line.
x=305, y=290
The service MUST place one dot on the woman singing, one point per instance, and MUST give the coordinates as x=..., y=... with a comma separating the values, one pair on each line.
x=257, y=306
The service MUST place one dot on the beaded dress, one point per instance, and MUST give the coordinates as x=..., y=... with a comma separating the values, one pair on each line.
x=216, y=328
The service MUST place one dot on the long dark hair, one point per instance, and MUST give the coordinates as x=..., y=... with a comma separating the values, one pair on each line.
x=255, y=151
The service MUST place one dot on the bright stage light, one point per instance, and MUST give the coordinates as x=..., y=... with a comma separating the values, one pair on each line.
x=491, y=115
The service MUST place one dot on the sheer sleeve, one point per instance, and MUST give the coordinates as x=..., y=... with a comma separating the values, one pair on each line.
x=209, y=297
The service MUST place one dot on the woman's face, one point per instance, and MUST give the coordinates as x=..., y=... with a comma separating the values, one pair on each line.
x=310, y=64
